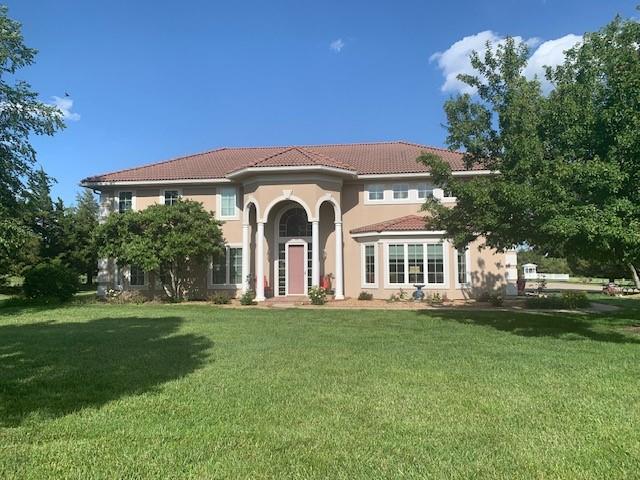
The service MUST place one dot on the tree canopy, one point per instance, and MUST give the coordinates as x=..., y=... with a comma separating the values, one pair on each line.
x=21, y=116
x=170, y=240
x=567, y=164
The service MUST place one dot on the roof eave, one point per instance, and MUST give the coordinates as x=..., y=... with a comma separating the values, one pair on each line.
x=247, y=171
x=397, y=233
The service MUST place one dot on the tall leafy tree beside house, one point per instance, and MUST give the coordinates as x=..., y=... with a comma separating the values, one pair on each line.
x=172, y=241
x=82, y=253
x=568, y=162
x=22, y=114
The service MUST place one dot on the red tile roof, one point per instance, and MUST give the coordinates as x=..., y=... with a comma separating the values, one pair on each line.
x=401, y=224
x=361, y=158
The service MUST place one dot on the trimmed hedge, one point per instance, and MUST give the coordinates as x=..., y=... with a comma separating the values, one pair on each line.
x=50, y=280
x=566, y=301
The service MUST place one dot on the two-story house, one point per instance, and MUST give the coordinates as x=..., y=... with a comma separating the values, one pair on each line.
x=303, y=215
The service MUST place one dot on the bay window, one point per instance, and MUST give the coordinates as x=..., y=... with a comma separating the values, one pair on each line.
x=369, y=263
x=415, y=263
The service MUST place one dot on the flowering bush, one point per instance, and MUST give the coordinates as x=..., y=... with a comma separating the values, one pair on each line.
x=317, y=295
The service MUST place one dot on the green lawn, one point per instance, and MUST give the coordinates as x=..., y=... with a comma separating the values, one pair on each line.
x=153, y=391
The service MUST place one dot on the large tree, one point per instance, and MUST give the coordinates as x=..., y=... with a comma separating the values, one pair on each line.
x=567, y=164
x=21, y=115
x=173, y=241
x=82, y=253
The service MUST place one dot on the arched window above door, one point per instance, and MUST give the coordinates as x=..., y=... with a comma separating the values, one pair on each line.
x=293, y=223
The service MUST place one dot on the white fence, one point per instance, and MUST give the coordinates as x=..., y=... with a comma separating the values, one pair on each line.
x=560, y=277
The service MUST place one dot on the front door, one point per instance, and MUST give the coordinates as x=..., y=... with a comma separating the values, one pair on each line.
x=295, y=270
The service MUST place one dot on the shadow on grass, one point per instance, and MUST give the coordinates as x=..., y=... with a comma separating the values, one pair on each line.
x=543, y=324
x=50, y=369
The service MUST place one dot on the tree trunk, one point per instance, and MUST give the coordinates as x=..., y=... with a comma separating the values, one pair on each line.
x=89, y=278
x=635, y=275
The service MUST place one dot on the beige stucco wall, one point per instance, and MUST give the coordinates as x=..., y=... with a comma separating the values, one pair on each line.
x=271, y=193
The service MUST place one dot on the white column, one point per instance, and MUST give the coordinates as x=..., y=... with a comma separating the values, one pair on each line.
x=103, y=263
x=260, y=263
x=246, y=257
x=339, y=290
x=315, y=253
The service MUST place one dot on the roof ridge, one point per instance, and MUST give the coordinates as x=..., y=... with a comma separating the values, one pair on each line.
x=431, y=147
x=335, y=160
x=268, y=157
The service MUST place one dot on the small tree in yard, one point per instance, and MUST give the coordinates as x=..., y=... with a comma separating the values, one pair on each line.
x=170, y=240
x=568, y=162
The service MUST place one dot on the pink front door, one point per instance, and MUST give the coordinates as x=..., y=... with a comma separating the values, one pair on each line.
x=295, y=272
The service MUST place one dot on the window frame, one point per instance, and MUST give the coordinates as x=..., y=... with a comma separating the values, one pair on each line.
x=428, y=191
x=163, y=195
x=227, y=275
x=467, y=260
x=133, y=200
x=363, y=264
x=219, y=194
x=408, y=191
x=424, y=242
x=145, y=279
x=373, y=188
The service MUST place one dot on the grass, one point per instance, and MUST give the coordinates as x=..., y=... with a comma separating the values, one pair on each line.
x=194, y=391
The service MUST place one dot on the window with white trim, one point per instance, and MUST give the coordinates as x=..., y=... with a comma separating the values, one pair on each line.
x=137, y=276
x=424, y=191
x=435, y=263
x=375, y=192
x=396, y=264
x=171, y=197
x=369, y=264
x=125, y=201
x=226, y=269
x=414, y=263
x=400, y=191
x=227, y=202
x=462, y=266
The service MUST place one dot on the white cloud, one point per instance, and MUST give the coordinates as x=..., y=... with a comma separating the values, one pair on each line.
x=336, y=45
x=65, y=105
x=550, y=54
x=455, y=60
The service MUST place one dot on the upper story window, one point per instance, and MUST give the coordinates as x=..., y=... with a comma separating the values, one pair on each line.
x=125, y=201
x=375, y=192
x=228, y=202
x=424, y=191
x=400, y=191
x=171, y=197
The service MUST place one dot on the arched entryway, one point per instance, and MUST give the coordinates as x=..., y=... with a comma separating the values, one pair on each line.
x=293, y=245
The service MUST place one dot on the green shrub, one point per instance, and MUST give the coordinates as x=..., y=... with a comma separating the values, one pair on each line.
x=496, y=299
x=122, y=297
x=365, y=296
x=220, y=298
x=435, y=299
x=317, y=295
x=544, y=302
x=50, y=280
x=484, y=297
x=248, y=298
x=576, y=300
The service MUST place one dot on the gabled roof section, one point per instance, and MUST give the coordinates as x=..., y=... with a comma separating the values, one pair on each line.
x=408, y=223
x=296, y=157
x=360, y=158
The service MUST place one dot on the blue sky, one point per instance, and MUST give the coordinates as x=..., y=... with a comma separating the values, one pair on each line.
x=150, y=80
